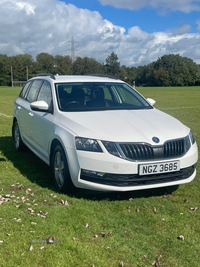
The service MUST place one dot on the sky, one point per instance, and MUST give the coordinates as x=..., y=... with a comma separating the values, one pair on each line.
x=138, y=31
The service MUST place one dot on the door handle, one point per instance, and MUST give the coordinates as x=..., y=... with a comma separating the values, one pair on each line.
x=30, y=114
x=19, y=107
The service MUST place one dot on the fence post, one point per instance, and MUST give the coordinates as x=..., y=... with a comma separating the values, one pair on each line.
x=11, y=76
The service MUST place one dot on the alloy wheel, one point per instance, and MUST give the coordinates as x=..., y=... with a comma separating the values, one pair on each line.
x=59, y=169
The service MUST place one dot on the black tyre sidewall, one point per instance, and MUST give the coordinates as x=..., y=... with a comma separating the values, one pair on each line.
x=21, y=144
x=68, y=185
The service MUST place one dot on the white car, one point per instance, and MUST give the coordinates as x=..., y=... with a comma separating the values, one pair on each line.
x=99, y=133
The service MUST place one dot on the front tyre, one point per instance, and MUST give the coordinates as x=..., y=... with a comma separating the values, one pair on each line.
x=61, y=171
x=19, y=145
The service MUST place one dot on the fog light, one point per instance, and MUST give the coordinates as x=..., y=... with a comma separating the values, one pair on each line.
x=92, y=173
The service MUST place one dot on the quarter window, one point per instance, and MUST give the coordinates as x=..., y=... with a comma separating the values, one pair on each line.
x=127, y=97
x=24, y=90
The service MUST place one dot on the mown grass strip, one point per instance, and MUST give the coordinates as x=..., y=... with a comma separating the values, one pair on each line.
x=137, y=228
x=1, y=114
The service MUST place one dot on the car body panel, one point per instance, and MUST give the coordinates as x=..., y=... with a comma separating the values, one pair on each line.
x=124, y=125
x=41, y=139
x=22, y=111
x=40, y=129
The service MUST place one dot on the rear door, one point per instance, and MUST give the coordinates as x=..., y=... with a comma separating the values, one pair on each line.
x=21, y=105
x=24, y=110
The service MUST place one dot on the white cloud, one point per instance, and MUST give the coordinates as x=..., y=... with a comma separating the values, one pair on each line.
x=162, y=6
x=184, y=29
x=198, y=23
x=35, y=26
x=28, y=8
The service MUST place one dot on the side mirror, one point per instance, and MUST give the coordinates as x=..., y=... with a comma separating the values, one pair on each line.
x=151, y=101
x=41, y=106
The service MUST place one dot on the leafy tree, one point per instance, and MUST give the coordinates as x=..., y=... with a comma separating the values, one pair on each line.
x=144, y=75
x=182, y=70
x=131, y=75
x=148, y=75
x=161, y=77
x=45, y=63
x=5, y=70
x=78, y=66
x=21, y=64
x=169, y=70
x=123, y=73
x=92, y=66
x=112, y=64
x=63, y=65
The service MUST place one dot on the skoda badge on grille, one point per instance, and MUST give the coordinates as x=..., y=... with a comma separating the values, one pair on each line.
x=156, y=139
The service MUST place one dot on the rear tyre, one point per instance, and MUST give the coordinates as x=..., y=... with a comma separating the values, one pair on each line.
x=19, y=145
x=60, y=170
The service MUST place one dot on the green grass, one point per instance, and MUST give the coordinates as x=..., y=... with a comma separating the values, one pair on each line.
x=133, y=234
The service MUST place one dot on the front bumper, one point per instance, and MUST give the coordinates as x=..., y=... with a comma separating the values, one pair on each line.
x=129, y=180
x=122, y=175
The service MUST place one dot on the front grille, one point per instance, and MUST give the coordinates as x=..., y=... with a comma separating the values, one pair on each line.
x=170, y=149
x=174, y=148
x=137, y=151
x=137, y=180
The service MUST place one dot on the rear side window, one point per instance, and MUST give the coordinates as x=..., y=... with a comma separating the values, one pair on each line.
x=33, y=90
x=24, y=90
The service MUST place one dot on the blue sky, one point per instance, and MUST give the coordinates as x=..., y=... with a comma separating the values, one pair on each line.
x=147, y=18
x=138, y=31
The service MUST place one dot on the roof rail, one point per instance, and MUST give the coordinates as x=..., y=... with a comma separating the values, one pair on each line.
x=102, y=75
x=46, y=74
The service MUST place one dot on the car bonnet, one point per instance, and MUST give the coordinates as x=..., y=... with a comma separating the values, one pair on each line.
x=124, y=125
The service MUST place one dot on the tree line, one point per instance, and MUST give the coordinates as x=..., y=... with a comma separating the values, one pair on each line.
x=168, y=70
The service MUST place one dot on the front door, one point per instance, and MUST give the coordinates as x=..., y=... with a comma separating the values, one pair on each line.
x=42, y=126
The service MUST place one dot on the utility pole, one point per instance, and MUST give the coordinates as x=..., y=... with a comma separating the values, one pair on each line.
x=72, y=49
x=27, y=73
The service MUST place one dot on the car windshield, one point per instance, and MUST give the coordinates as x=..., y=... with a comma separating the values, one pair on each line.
x=93, y=96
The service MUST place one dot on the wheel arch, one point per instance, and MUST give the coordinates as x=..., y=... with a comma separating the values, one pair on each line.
x=54, y=143
x=62, y=138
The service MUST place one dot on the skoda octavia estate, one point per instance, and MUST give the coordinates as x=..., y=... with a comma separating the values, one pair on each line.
x=99, y=133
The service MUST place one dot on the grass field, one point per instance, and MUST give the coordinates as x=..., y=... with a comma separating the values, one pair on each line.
x=97, y=229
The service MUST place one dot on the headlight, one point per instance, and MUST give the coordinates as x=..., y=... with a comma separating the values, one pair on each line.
x=87, y=144
x=111, y=148
x=191, y=137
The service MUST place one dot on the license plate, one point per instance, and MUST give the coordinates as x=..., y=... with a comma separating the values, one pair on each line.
x=162, y=167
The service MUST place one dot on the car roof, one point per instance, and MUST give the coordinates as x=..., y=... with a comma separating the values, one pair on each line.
x=77, y=78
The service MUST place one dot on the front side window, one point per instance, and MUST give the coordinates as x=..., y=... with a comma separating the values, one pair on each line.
x=92, y=96
x=33, y=90
x=45, y=93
